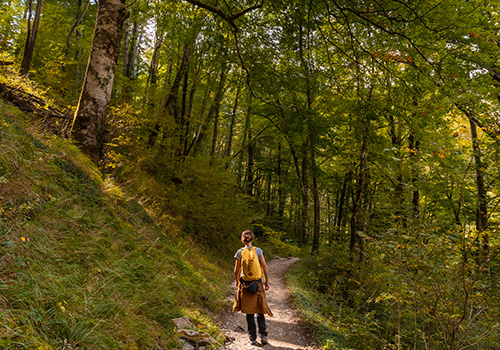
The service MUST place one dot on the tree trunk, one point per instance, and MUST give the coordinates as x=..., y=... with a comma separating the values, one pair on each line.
x=89, y=120
x=212, y=113
x=356, y=209
x=482, y=210
x=77, y=23
x=330, y=219
x=133, y=41
x=316, y=204
x=281, y=198
x=166, y=81
x=216, y=110
x=126, y=46
x=307, y=159
x=249, y=182
x=171, y=101
x=269, y=205
x=306, y=194
x=153, y=65
x=183, y=123
x=187, y=114
x=244, y=144
x=414, y=146
x=303, y=176
x=29, y=46
x=231, y=124
x=194, y=142
x=342, y=197
x=399, y=214
x=130, y=63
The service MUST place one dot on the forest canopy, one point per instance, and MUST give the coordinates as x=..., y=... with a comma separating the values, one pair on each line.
x=366, y=131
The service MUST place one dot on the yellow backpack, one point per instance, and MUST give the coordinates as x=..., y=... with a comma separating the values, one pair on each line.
x=250, y=265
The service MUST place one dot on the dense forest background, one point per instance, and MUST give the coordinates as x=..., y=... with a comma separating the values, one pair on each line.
x=366, y=133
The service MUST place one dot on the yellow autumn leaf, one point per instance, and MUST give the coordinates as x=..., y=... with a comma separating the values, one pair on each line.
x=61, y=306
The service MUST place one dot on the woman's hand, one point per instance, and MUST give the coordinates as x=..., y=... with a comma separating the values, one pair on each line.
x=266, y=286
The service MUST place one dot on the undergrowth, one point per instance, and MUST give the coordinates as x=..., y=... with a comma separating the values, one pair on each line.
x=275, y=243
x=315, y=283
x=86, y=263
x=413, y=292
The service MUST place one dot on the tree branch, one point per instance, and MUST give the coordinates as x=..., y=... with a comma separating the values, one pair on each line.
x=229, y=19
x=77, y=23
x=212, y=9
x=388, y=31
x=254, y=7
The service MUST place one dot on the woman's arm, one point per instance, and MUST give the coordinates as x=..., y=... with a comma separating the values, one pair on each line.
x=237, y=268
x=264, y=268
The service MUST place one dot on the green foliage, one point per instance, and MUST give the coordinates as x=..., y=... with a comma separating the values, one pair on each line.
x=198, y=194
x=375, y=90
x=275, y=243
x=10, y=17
x=418, y=290
x=317, y=308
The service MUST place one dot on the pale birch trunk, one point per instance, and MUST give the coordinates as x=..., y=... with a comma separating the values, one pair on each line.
x=89, y=120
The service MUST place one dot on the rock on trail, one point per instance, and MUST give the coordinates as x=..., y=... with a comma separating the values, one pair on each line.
x=285, y=329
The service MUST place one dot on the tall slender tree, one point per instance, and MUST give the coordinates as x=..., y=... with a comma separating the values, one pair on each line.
x=482, y=207
x=32, y=32
x=78, y=21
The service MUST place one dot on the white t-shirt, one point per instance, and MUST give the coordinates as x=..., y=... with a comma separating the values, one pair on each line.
x=237, y=256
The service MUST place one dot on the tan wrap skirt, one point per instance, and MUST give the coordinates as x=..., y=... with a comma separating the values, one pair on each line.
x=251, y=303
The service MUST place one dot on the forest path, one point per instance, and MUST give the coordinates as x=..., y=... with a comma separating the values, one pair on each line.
x=286, y=332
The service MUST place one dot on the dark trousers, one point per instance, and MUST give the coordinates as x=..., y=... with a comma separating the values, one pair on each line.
x=252, y=332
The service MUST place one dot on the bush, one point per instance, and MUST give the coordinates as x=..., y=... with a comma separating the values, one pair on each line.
x=422, y=291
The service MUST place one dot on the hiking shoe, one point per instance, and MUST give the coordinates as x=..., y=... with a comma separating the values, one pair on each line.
x=263, y=340
x=254, y=342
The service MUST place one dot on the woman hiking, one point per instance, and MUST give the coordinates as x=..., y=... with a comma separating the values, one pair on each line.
x=252, y=280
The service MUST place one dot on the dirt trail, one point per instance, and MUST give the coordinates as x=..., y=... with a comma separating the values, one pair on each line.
x=285, y=329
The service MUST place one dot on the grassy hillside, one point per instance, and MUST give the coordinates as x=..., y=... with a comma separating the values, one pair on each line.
x=83, y=264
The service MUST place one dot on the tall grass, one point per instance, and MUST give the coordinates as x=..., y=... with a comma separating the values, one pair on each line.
x=86, y=264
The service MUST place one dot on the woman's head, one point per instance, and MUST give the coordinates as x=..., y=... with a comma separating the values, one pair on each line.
x=247, y=236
